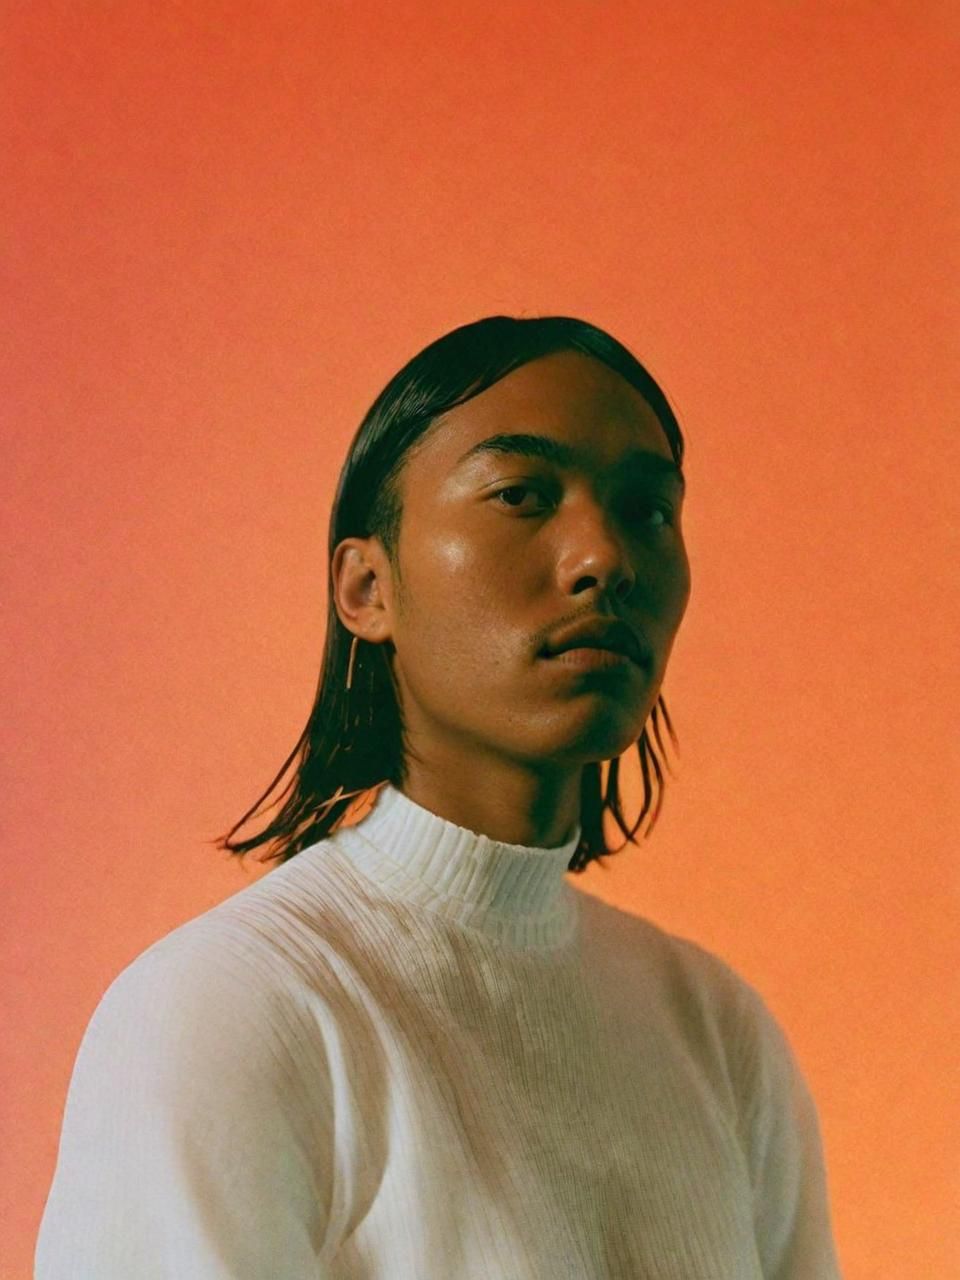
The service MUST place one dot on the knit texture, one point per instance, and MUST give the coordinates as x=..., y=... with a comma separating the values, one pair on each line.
x=412, y=1052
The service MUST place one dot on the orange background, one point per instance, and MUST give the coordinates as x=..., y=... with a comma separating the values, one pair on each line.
x=226, y=226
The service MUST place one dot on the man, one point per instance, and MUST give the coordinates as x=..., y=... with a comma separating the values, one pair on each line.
x=415, y=1049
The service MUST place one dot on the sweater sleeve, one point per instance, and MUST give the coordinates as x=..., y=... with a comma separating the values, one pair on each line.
x=193, y=1143
x=784, y=1147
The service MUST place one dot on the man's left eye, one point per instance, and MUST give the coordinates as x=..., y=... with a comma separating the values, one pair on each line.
x=664, y=512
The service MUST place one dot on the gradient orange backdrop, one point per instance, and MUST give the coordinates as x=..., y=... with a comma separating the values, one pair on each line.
x=226, y=226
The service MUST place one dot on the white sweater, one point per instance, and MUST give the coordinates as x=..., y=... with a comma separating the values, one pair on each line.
x=412, y=1052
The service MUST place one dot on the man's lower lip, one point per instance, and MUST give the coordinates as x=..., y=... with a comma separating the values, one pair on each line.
x=589, y=659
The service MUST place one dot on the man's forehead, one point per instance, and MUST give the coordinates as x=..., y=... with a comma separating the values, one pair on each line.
x=566, y=408
x=564, y=382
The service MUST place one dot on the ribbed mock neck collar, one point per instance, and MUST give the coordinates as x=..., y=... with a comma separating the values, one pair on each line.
x=514, y=893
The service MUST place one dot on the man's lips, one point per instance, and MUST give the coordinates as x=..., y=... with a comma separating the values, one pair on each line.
x=599, y=632
x=591, y=658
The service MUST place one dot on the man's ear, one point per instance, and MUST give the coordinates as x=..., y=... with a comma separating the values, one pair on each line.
x=357, y=570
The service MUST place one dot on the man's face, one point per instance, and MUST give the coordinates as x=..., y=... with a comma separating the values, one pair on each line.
x=487, y=579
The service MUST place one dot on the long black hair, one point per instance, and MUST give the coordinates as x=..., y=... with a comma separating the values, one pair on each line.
x=353, y=741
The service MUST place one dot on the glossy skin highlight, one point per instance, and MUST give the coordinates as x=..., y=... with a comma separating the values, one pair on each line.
x=495, y=554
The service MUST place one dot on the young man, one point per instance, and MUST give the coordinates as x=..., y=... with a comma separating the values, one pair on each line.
x=414, y=1049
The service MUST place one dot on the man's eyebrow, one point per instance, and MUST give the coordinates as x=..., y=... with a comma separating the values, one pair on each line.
x=567, y=455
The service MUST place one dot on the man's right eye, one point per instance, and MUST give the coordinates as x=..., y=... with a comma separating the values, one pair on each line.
x=513, y=488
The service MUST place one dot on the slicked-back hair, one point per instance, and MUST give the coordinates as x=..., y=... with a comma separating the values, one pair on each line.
x=354, y=739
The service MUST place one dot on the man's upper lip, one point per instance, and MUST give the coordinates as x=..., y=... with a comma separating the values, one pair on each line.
x=597, y=633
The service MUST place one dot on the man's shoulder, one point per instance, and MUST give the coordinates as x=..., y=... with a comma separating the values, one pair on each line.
x=676, y=964
x=263, y=957
x=697, y=989
x=641, y=937
x=199, y=975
